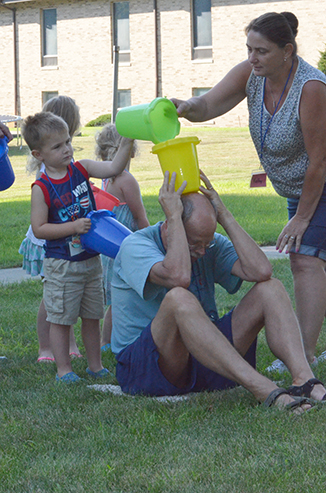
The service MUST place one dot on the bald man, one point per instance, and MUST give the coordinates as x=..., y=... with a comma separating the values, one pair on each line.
x=167, y=334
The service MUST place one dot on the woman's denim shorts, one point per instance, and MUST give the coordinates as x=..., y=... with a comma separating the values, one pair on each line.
x=314, y=239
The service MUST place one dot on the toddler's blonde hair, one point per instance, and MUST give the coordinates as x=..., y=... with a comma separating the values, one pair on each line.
x=67, y=109
x=107, y=143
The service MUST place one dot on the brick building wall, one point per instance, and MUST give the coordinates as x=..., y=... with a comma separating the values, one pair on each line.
x=84, y=34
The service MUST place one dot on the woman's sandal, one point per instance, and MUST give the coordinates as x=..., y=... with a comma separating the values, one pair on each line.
x=273, y=396
x=306, y=389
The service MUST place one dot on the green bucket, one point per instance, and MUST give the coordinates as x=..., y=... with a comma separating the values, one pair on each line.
x=156, y=121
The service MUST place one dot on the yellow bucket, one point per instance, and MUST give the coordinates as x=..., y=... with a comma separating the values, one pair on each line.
x=180, y=155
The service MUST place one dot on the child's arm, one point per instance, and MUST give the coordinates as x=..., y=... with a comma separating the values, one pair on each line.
x=106, y=169
x=131, y=192
x=47, y=231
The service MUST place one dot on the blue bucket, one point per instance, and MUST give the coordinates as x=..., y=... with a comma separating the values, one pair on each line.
x=7, y=176
x=106, y=233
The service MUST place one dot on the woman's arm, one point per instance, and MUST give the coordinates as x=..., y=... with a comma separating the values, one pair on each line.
x=131, y=191
x=220, y=99
x=313, y=124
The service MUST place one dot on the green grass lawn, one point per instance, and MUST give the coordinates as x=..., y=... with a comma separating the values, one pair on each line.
x=77, y=439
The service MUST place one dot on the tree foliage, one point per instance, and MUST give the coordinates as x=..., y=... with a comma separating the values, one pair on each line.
x=322, y=61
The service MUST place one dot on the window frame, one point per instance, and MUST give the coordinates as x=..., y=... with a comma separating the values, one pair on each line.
x=125, y=91
x=48, y=61
x=47, y=95
x=124, y=55
x=201, y=52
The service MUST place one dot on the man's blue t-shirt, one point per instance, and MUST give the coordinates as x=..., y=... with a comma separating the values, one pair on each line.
x=135, y=300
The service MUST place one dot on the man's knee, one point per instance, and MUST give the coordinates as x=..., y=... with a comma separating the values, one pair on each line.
x=181, y=300
x=270, y=289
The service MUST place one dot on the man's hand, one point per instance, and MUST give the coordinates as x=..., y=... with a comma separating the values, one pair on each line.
x=169, y=198
x=213, y=196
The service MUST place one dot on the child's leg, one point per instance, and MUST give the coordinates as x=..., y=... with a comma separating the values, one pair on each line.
x=43, y=334
x=91, y=339
x=59, y=337
x=107, y=327
x=73, y=348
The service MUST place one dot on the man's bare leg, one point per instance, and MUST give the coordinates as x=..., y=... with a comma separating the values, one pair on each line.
x=182, y=327
x=268, y=304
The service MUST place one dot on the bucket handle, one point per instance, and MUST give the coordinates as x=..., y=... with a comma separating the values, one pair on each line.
x=107, y=213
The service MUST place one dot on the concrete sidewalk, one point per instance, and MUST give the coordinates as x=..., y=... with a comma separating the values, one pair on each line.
x=271, y=252
x=17, y=274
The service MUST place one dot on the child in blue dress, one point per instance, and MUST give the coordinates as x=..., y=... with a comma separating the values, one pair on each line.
x=61, y=200
x=130, y=211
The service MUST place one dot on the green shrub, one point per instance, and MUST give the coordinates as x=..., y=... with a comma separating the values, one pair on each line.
x=322, y=61
x=100, y=121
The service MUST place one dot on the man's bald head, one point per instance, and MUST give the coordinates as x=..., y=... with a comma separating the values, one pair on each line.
x=199, y=219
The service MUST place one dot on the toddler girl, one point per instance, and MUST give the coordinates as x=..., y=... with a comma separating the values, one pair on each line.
x=130, y=211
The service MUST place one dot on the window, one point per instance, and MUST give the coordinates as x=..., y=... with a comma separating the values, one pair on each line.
x=124, y=98
x=200, y=91
x=202, y=29
x=49, y=37
x=46, y=95
x=121, y=30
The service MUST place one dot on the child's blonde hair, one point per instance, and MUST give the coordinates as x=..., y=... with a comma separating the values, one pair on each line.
x=107, y=143
x=38, y=128
x=67, y=109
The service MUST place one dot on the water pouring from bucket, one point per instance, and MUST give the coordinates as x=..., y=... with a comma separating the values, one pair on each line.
x=7, y=176
x=105, y=235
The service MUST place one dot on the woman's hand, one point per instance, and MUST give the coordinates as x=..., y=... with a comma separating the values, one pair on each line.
x=194, y=109
x=292, y=234
x=183, y=107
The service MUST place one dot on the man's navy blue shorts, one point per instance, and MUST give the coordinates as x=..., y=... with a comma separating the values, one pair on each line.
x=138, y=371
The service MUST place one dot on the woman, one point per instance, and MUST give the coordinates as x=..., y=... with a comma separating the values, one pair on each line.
x=287, y=121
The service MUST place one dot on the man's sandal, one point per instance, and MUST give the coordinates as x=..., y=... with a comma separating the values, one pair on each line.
x=273, y=396
x=306, y=389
